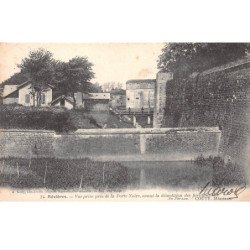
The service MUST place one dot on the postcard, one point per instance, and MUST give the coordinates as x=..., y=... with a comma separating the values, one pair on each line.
x=125, y=122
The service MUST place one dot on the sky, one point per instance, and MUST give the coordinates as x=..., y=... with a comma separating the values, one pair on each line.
x=117, y=62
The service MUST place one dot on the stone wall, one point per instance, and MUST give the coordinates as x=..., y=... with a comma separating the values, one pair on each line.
x=26, y=143
x=216, y=97
x=10, y=100
x=112, y=144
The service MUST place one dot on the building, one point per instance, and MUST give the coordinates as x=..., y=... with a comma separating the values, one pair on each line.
x=93, y=101
x=148, y=95
x=118, y=98
x=63, y=101
x=22, y=94
x=140, y=94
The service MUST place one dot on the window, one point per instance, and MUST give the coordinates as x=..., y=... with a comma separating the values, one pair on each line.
x=43, y=98
x=62, y=102
x=27, y=98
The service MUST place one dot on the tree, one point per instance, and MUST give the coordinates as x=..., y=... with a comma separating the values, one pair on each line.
x=108, y=86
x=182, y=59
x=17, y=78
x=74, y=76
x=39, y=65
x=96, y=88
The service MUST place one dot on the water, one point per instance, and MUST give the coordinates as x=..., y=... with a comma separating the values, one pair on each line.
x=178, y=174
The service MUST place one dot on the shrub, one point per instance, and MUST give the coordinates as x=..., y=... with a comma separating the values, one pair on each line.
x=224, y=173
x=20, y=117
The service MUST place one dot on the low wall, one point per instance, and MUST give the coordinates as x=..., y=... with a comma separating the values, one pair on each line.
x=26, y=143
x=162, y=144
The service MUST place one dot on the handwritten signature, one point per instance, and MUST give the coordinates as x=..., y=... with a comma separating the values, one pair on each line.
x=232, y=192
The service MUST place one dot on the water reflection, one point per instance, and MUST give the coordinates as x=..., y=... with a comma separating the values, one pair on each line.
x=181, y=174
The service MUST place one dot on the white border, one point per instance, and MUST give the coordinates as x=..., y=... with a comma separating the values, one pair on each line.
x=124, y=225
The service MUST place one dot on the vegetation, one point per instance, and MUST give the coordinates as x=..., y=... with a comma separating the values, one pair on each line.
x=182, y=59
x=188, y=90
x=74, y=76
x=39, y=66
x=224, y=173
x=42, y=69
x=59, y=174
x=20, y=117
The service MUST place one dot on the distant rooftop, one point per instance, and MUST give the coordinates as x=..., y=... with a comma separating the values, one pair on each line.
x=97, y=96
x=118, y=92
x=141, y=81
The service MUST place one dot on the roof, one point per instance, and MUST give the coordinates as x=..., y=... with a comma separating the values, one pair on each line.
x=118, y=92
x=13, y=94
x=97, y=96
x=22, y=86
x=68, y=98
x=28, y=82
x=141, y=81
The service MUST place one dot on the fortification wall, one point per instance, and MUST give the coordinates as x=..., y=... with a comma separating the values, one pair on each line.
x=216, y=97
x=26, y=143
x=112, y=144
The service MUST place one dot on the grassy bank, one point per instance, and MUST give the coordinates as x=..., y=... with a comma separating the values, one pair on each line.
x=62, y=174
x=85, y=174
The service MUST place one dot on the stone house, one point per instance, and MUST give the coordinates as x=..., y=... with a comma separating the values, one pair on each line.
x=140, y=94
x=22, y=94
x=93, y=101
x=117, y=98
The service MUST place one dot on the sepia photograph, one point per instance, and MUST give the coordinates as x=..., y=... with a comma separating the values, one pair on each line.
x=124, y=124
x=125, y=121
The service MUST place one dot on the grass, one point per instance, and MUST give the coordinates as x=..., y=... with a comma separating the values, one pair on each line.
x=62, y=174
x=86, y=174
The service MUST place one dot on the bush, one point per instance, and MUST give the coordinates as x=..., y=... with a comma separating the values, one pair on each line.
x=20, y=117
x=224, y=173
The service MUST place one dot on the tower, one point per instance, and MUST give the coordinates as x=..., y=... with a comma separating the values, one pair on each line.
x=160, y=97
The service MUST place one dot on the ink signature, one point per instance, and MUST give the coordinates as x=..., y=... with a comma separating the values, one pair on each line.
x=230, y=192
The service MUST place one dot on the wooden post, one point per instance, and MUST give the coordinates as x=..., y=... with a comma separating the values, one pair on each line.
x=30, y=163
x=45, y=173
x=17, y=169
x=2, y=167
x=80, y=186
x=103, y=174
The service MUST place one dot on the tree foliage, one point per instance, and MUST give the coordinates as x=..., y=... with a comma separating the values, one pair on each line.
x=17, y=78
x=183, y=59
x=74, y=76
x=42, y=69
x=39, y=65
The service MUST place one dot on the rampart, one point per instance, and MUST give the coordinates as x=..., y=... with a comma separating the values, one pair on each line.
x=163, y=144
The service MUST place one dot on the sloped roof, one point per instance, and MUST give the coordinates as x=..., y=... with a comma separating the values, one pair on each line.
x=28, y=82
x=68, y=98
x=97, y=96
x=141, y=81
x=118, y=92
x=12, y=94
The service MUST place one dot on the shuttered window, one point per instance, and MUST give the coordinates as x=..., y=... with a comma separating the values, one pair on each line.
x=27, y=98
